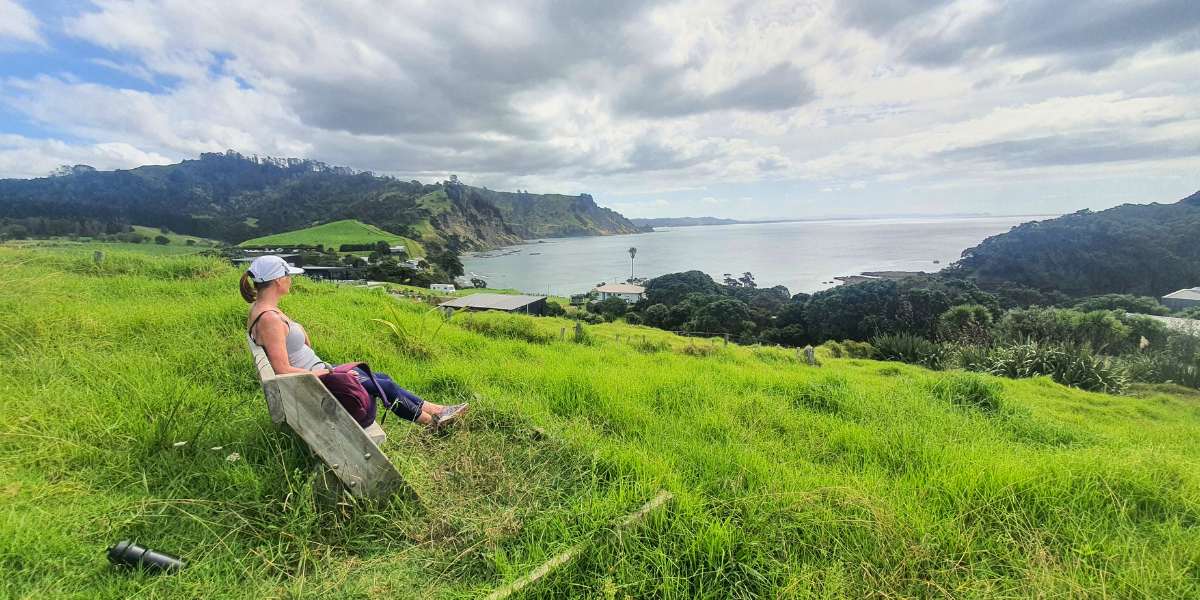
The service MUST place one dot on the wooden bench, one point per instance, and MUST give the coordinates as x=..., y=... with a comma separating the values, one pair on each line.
x=350, y=453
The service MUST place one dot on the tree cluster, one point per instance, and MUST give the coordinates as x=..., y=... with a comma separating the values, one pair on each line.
x=43, y=227
x=933, y=307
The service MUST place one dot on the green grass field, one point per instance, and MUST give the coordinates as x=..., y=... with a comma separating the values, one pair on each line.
x=148, y=248
x=333, y=235
x=131, y=411
x=177, y=239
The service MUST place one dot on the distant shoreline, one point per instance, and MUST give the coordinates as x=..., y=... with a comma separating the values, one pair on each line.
x=716, y=221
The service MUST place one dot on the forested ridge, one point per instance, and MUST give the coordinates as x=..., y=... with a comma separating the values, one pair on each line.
x=1141, y=249
x=232, y=197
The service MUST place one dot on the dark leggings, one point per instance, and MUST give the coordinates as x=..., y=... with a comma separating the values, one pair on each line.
x=402, y=402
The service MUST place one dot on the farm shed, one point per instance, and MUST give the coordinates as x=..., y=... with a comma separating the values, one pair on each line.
x=532, y=305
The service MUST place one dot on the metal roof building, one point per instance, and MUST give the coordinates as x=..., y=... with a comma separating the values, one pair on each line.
x=533, y=305
x=1182, y=299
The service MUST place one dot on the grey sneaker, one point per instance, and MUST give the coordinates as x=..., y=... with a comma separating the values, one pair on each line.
x=447, y=416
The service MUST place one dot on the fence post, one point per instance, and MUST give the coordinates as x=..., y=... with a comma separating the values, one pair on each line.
x=98, y=256
x=578, y=332
x=562, y=334
x=727, y=340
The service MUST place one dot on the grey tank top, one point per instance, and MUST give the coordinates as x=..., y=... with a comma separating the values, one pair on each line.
x=300, y=355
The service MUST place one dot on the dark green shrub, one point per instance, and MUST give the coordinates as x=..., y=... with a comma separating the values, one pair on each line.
x=855, y=349
x=849, y=349
x=911, y=349
x=835, y=349
x=1087, y=371
x=1102, y=331
x=967, y=323
x=1178, y=364
x=1125, y=302
x=1069, y=365
x=656, y=315
x=972, y=358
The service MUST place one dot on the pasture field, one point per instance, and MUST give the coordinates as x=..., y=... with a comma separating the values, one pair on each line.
x=131, y=410
x=333, y=235
x=176, y=248
x=179, y=239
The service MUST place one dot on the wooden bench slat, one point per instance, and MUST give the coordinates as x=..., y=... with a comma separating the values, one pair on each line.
x=301, y=402
x=333, y=435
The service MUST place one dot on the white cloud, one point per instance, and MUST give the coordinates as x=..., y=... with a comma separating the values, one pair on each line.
x=635, y=99
x=18, y=24
x=26, y=157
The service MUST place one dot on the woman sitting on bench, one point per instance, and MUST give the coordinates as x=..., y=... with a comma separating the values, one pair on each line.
x=289, y=350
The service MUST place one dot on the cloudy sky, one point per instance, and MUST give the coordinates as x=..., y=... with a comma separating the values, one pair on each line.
x=738, y=109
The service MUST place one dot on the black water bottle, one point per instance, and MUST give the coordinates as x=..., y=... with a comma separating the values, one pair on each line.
x=128, y=554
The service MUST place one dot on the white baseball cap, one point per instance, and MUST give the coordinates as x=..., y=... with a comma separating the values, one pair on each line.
x=271, y=267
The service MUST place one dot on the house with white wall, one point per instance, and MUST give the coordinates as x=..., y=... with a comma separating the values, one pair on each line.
x=625, y=291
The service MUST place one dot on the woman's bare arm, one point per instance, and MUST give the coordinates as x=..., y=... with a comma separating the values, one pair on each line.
x=272, y=334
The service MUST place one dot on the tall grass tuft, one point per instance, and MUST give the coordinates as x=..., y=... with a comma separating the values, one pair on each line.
x=415, y=340
x=505, y=326
x=969, y=390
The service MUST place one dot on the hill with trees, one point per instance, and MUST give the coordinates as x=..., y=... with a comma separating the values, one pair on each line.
x=1140, y=249
x=234, y=198
x=534, y=216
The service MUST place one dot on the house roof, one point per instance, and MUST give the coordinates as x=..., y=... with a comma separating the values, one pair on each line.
x=621, y=288
x=493, y=301
x=1185, y=294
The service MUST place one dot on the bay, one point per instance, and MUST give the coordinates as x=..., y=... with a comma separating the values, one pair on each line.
x=805, y=256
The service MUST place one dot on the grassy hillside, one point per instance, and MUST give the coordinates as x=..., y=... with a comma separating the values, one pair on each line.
x=145, y=248
x=131, y=411
x=176, y=239
x=333, y=235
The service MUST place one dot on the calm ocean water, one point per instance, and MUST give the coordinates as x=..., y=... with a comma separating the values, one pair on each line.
x=804, y=256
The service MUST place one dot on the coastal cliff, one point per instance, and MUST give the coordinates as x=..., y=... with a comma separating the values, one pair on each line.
x=232, y=197
x=534, y=216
